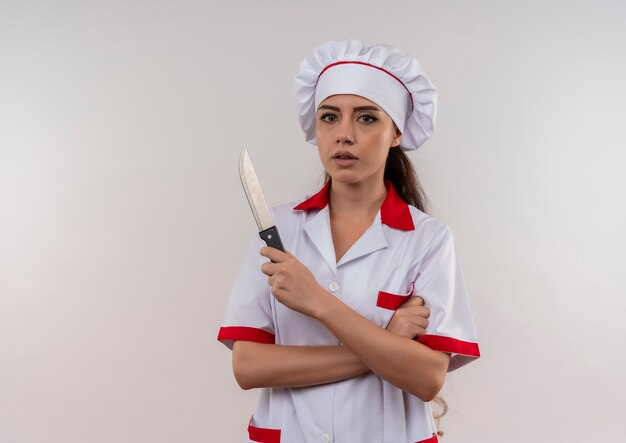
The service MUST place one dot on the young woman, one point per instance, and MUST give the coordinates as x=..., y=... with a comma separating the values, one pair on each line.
x=352, y=331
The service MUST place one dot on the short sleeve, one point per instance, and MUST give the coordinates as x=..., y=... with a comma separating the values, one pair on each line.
x=248, y=314
x=440, y=282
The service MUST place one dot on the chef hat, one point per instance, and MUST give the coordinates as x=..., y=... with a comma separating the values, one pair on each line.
x=381, y=73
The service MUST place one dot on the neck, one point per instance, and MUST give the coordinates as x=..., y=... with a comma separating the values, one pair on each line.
x=356, y=201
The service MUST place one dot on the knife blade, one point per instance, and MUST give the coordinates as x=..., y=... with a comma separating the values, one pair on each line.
x=260, y=209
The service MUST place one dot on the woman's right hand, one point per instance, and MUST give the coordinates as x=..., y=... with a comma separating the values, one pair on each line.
x=410, y=319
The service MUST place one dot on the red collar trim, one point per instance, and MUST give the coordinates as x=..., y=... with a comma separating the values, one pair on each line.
x=394, y=212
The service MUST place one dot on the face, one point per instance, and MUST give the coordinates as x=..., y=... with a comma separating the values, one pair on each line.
x=354, y=136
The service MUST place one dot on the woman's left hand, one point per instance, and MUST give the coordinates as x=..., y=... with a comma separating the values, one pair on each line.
x=292, y=283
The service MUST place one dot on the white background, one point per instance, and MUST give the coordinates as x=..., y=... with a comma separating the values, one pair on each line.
x=123, y=221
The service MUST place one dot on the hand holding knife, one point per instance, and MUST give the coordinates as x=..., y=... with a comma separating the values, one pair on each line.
x=260, y=209
x=292, y=283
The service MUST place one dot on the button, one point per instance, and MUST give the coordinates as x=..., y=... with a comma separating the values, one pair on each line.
x=334, y=287
x=325, y=438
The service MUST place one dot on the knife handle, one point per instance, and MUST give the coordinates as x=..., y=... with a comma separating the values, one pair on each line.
x=271, y=238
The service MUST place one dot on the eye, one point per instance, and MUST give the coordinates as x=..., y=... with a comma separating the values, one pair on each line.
x=328, y=118
x=368, y=119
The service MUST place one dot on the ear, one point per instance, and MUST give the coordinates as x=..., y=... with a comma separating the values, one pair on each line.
x=397, y=138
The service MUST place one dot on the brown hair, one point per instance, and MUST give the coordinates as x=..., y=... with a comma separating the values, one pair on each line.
x=400, y=171
x=439, y=401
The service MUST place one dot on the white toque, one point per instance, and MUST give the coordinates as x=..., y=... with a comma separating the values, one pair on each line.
x=392, y=79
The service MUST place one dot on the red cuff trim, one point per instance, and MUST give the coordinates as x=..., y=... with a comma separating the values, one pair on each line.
x=387, y=300
x=245, y=333
x=263, y=435
x=433, y=439
x=448, y=344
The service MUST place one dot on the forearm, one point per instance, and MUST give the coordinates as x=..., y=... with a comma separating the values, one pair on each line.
x=265, y=365
x=407, y=364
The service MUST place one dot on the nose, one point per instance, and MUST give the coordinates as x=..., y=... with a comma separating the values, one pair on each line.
x=345, y=131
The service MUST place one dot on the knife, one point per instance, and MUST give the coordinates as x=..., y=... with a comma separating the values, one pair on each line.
x=260, y=210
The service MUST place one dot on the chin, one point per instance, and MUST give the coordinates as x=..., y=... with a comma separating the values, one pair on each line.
x=341, y=175
x=344, y=177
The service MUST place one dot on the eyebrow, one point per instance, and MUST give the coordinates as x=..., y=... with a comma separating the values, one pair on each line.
x=358, y=108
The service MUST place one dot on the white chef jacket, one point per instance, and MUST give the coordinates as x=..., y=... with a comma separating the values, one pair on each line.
x=404, y=252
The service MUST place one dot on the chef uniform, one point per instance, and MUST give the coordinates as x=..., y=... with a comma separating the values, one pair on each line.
x=404, y=252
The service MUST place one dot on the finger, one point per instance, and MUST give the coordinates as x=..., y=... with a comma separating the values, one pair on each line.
x=416, y=331
x=413, y=301
x=419, y=322
x=269, y=268
x=419, y=332
x=273, y=283
x=420, y=311
x=418, y=300
x=273, y=254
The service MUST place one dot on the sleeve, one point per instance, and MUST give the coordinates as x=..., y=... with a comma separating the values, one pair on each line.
x=248, y=314
x=440, y=282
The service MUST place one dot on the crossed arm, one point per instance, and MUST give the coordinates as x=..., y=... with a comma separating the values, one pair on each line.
x=390, y=353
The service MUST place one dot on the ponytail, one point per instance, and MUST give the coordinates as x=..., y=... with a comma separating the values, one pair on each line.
x=400, y=171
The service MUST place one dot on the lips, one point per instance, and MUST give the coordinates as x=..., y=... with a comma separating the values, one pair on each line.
x=345, y=155
x=344, y=159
